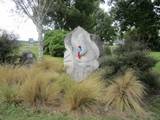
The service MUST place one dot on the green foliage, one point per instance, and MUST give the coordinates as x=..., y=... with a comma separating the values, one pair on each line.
x=54, y=43
x=104, y=26
x=131, y=55
x=8, y=48
x=13, y=112
x=156, y=55
x=141, y=16
x=26, y=47
x=68, y=14
x=154, y=106
x=107, y=50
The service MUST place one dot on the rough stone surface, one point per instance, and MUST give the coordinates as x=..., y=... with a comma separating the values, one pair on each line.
x=27, y=58
x=81, y=55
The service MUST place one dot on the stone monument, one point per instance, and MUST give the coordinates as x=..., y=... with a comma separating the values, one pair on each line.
x=27, y=58
x=81, y=55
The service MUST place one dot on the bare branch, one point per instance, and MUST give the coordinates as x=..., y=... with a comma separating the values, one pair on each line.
x=49, y=5
x=36, y=10
x=23, y=7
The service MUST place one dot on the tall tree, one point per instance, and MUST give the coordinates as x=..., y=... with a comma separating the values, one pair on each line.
x=68, y=14
x=36, y=10
x=141, y=15
x=104, y=27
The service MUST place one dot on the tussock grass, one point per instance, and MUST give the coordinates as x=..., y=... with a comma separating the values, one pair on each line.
x=84, y=94
x=39, y=90
x=11, y=78
x=9, y=94
x=12, y=75
x=35, y=85
x=46, y=84
x=126, y=93
x=50, y=65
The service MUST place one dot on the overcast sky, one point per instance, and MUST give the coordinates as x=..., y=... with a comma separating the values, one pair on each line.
x=22, y=26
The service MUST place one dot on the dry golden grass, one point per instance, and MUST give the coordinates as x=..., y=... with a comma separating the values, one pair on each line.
x=125, y=93
x=50, y=65
x=46, y=82
x=37, y=84
x=11, y=78
x=40, y=89
x=83, y=94
x=8, y=93
x=12, y=75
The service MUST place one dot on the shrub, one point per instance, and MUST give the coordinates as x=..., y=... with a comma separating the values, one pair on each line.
x=130, y=55
x=84, y=94
x=125, y=93
x=107, y=50
x=135, y=60
x=151, y=78
x=8, y=48
x=54, y=43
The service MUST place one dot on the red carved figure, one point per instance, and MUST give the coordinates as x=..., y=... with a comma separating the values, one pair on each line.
x=79, y=52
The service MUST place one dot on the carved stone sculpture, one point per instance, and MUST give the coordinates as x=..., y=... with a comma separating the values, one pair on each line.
x=81, y=55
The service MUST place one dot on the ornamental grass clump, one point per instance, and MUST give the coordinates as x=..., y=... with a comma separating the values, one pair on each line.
x=9, y=93
x=83, y=94
x=126, y=93
x=50, y=65
x=12, y=74
x=11, y=79
x=42, y=89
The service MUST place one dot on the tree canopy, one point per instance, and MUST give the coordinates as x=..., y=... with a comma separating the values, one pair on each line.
x=141, y=15
x=68, y=14
x=104, y=27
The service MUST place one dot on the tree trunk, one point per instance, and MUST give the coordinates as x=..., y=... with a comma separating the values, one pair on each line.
x=40, y=39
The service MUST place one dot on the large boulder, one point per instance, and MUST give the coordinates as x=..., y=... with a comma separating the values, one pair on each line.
x=27, y=58
x=81, y=55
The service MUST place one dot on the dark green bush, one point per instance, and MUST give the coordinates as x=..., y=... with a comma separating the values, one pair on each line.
x=107, y=50
x=151, y=79
x=8, y=48
x=131, y=55
x=54, y=43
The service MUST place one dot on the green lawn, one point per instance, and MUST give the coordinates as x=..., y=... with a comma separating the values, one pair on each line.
x=156, y=55
x=26, y=47
x=12, y=112
x=155, y=100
